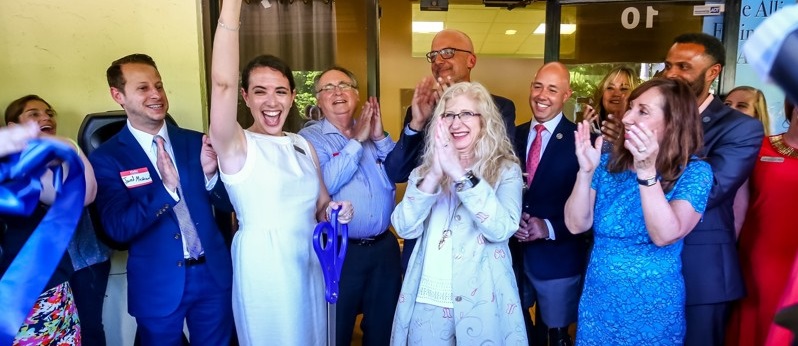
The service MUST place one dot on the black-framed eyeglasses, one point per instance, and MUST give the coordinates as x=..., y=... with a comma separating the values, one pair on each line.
x=446, y=53
x=329, y=88
x=448, y=117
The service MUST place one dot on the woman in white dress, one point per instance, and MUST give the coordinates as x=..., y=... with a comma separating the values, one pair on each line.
x=274, y=183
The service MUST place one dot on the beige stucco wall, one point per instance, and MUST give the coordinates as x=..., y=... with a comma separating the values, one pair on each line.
x=60, y=50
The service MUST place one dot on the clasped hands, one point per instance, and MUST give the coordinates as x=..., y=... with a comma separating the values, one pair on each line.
x=369, y=124
x=446, y=161
x=531, y=228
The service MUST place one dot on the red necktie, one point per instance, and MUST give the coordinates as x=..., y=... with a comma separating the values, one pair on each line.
x=533, y=158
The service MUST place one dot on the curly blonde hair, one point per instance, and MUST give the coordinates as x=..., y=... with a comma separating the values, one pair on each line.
x=492, y=149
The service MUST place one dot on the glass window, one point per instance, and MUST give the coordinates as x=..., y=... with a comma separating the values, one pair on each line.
x=631, y=31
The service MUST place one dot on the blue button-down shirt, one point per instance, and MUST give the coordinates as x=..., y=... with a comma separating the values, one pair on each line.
x=354, y=172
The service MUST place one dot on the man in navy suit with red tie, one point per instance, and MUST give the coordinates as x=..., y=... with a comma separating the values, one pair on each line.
x=549, y=261
x=156, y=184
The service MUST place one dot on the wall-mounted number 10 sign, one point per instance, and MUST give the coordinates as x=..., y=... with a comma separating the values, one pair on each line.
x=630, y=17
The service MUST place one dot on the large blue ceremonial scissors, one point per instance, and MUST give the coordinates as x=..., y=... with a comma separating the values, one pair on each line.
x=331, y=251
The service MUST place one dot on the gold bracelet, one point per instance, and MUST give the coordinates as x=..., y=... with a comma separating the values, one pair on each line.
x=224, y=26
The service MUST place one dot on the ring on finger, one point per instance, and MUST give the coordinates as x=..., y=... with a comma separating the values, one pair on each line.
x=642, y=150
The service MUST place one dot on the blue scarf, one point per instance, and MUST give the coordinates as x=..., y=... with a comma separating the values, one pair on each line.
x=35, y=263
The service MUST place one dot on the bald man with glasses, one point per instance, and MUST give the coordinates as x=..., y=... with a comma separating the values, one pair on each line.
x=451, y=59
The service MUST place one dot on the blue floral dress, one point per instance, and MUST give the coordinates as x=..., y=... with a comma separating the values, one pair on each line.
x=634, y=290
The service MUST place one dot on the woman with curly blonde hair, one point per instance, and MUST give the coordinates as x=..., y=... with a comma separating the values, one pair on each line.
x=463, y=204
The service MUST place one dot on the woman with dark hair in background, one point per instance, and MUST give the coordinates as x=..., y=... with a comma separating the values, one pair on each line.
x=769, y=238
x=640, y=200
x=54, y=317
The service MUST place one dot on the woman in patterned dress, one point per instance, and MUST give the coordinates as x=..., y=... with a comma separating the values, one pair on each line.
x=53, y=319
x=641, y=200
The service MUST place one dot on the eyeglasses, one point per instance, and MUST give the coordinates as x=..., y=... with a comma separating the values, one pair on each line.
x=448, y=117
x=329, y=88
x=446, y=53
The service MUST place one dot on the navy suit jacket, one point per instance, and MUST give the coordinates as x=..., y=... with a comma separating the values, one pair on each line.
x=709, y=258
x=406, y=155
x=545, y=198
x=142, y=216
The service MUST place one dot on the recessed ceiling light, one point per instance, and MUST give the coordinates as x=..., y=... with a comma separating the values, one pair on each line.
x=510, y=32
x=427, y=27
x=565, y=29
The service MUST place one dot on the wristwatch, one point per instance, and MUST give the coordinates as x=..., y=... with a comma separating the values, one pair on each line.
x=467, y=181
x=648, y=182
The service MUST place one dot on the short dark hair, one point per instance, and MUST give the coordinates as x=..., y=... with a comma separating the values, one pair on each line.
x=271, y=62
x=712, y=46
x=114, y=72
x=335, y=68
x=16, y=107
x=789, y=109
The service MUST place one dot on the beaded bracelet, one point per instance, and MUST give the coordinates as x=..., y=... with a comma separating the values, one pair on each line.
x=224, y=26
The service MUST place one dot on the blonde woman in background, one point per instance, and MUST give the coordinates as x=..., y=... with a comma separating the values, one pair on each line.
x=611, y=99
x=751, y=101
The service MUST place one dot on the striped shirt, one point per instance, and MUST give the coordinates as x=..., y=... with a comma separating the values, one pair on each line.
x=354, y=172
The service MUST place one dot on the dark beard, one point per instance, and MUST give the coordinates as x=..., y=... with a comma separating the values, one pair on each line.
x=697, y=85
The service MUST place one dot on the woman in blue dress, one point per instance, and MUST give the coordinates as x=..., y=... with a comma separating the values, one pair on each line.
x=640, y=200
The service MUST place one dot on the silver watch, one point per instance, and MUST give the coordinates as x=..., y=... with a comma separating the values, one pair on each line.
x=467, y=181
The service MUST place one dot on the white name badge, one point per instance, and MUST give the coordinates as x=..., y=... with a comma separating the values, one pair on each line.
x=136, y=177
x=772, y=159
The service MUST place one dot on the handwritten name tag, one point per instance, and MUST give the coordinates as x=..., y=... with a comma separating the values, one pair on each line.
x=772, y=159
x=136, y=177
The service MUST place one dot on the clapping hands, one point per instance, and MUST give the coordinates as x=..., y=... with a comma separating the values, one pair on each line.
x=587, y=154
x=369, y=124
x=426, y=95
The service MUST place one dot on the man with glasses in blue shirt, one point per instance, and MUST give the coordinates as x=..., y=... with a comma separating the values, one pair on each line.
x=350, y=155
x=451, y=59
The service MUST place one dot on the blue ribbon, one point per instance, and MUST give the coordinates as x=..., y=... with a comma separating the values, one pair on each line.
x=35, y=263
x=331, y=254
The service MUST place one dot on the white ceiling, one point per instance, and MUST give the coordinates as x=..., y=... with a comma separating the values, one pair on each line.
x=486, y=26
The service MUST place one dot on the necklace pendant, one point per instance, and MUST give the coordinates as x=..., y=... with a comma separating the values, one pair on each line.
x=444, y=236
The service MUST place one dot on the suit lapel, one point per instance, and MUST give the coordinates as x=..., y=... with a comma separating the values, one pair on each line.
x=712, y=113
x=521, y=138
x=557, y=146
x=135, y=154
